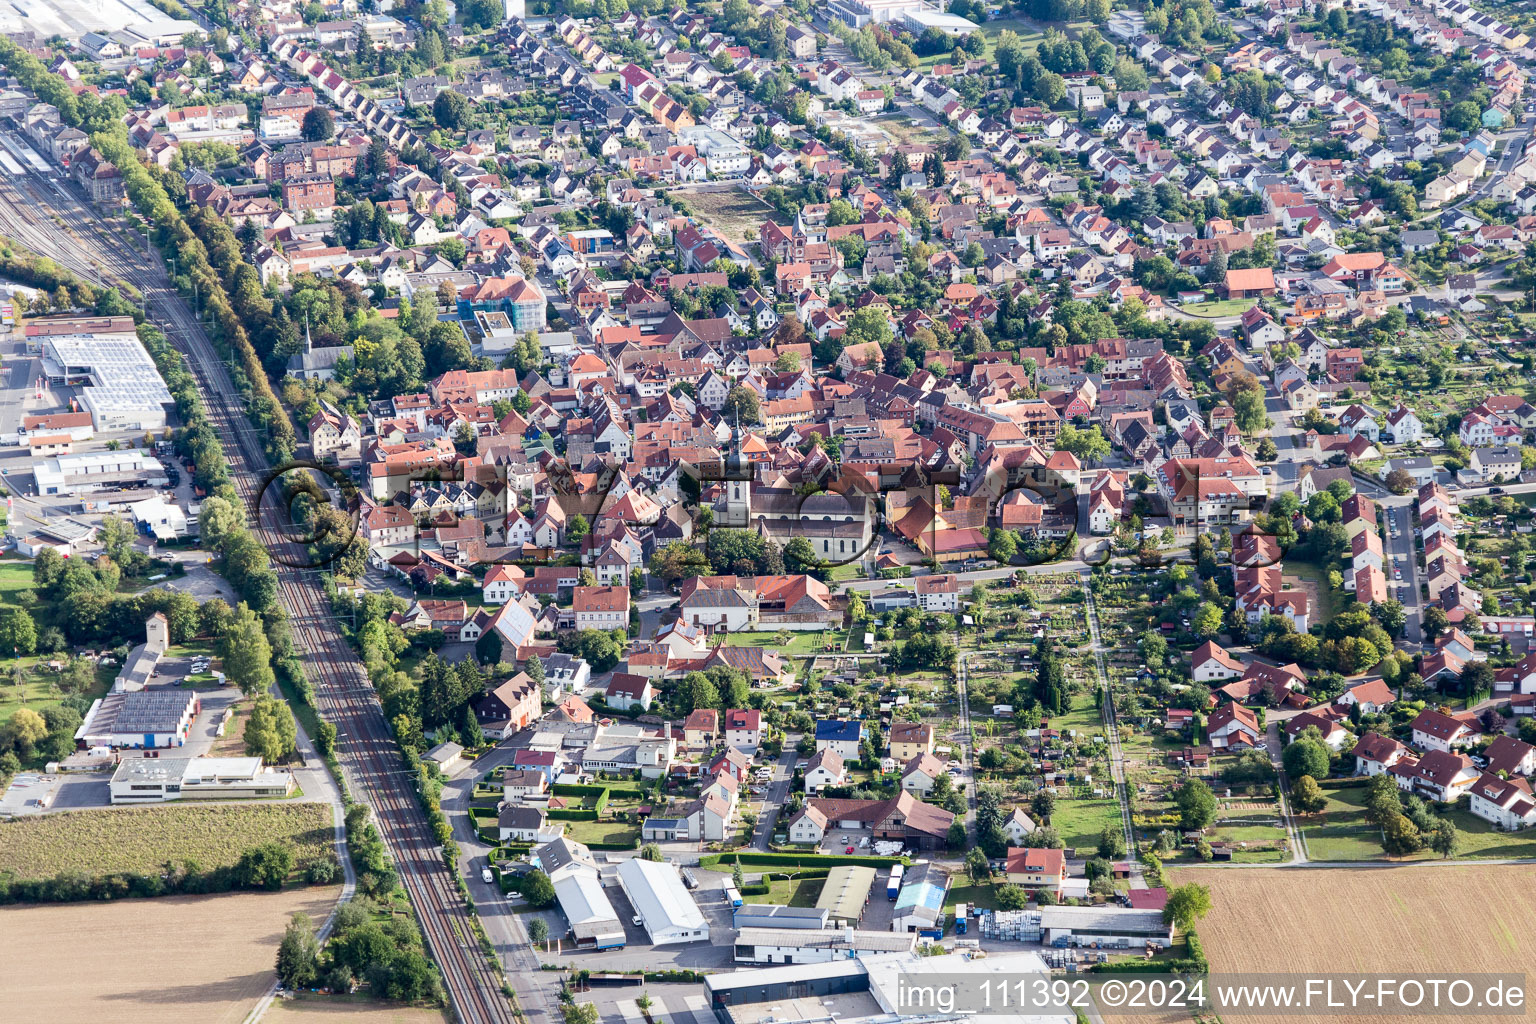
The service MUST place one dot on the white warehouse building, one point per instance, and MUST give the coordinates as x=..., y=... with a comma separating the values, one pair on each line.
x=667, y=911
x=119, y=384
x=89, y=472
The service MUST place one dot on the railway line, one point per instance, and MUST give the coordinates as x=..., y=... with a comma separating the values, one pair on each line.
x=370, y=759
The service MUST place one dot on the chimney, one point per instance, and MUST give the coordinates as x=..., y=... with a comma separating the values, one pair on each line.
x=667, y=730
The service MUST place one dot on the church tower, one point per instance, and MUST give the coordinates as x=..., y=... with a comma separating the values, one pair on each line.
x=738, y=484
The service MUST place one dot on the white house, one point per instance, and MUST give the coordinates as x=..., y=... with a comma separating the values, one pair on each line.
x=938, y=593
x=824, y=769
x=744, y=729
x=1507, y=803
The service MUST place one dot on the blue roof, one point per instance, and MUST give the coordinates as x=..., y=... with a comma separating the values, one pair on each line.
x=923, y=894
x=837, y=729
x=662, y=822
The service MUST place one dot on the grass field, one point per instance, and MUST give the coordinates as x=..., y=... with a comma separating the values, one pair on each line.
x=100, y=842
x=212, y=957
x=800, y=644
x=735, y=213
x=601, y=831
x=799, y=892
x=1222, y=307
x=1080, y=821
x=1411, y=920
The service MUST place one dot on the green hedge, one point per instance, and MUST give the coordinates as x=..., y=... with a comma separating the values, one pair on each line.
x=755, y=889
x=572, y=814
x=633, y=844
x=796, y=860
x=1194, y=963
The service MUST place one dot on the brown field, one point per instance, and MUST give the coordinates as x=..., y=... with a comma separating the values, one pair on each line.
x=202, y=958
x=321, y=1010
x=735, y=213
x=1410, y=920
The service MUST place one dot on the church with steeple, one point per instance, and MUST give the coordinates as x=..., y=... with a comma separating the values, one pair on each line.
x=316, y=363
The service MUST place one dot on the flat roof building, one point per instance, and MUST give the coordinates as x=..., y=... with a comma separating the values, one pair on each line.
x=93, y=472
x=864, y=988
x=119, y=384
x=139, y=780
x=816, y=945
x=668, y=913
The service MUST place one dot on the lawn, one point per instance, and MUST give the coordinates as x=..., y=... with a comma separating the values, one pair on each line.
x=798, y=644
x=14, y=577
x=1079, y=822
x=602, y=832
x=38, y=689
x=1084, y=718
x=1339, y=831
x=800, y=892
x=145, y=839
x=971, y=894
x=1221, y=307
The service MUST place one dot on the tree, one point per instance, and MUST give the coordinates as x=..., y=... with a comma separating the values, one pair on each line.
x=1186, y=905
x=489, y=647
x=1002, y=546
x=247, y=655
x=1111, y=842
x=298, y=955
x=318, y=125
x=538, y=930
x=1196, y=803
x=955, y=838
x=1381, y=799
x=800, y=557
x=1207, y=621
x=325, y=739
x=538, y=890
x=1307, y=795
x=1250, y=415
x=1445, y=838
x=741, y=403
x=1041, y=805
x=25, y=731
x=576, y=529
x=270, y=732
x=1399, y=481
x=1088, y=444
x=1436, y=622
x=1012, y=897
x=450, y=110
x=679, y=560
x=977, y=866
x=264, y=867
x=652, y=852
x=1306, y=756
x=1399, y=836
x=18, y=633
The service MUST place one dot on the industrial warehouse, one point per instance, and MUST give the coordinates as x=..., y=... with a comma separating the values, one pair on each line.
x=119, y=384
x=667, y=912
x=579, y=891
x=861, y=988
x=139, y=780
x=141, y=719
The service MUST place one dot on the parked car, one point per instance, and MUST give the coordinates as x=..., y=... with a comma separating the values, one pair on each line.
x=848, y=849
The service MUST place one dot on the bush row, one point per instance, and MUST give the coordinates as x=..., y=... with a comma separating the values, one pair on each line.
x=264, y=867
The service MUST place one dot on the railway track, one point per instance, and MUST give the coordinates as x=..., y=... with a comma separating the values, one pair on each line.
x=367, y=751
